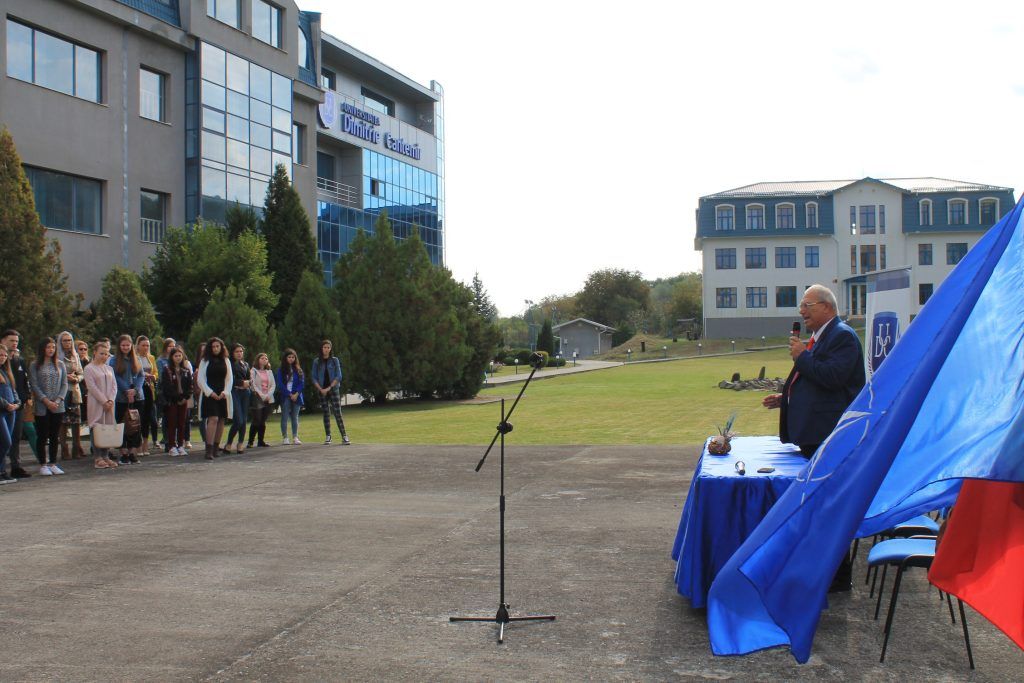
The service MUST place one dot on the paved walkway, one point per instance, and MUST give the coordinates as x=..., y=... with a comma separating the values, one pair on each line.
x=567, y=369
x=332, y=563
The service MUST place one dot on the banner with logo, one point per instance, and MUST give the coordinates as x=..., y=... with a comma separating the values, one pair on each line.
x=888, y=314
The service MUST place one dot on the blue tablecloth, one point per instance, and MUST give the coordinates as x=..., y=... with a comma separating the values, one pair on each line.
x=723, y=507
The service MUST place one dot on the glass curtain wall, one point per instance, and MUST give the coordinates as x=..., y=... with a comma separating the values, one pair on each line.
x=241, y=128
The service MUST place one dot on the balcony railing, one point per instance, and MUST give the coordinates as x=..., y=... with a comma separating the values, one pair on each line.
x=340, y=192
x=152, y=230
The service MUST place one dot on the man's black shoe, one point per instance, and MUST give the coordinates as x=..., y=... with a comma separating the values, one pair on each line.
x=841, y=584
x=19, y=473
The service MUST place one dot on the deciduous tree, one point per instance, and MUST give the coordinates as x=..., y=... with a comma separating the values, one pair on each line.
x=123, y=308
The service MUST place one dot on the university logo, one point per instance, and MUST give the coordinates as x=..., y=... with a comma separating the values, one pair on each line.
x=327, y=110
x=885, y=330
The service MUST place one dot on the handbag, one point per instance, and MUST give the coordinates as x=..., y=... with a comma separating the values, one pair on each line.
x=132, y=422
x=107, y=436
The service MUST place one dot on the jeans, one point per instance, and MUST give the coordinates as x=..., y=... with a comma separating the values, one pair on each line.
x=13, y=453
x=289, y=412
x=6, y=435
x=239, y=413
x=47, y=436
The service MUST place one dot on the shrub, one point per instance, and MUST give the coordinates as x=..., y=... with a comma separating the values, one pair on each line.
x=556, y=362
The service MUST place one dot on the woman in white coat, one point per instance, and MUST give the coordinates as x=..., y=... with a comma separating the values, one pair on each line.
x=215, y=381
x=101, y=395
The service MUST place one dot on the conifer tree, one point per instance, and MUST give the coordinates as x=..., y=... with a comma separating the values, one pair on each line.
x=291, y=250
x=311, y=319
x=231, y=318
x=123, y=308
x=34, y=298
x=239, y=219
x=482, y=302
x=546, y=338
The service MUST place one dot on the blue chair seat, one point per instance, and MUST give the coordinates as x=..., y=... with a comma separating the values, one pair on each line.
x=922, y=524
x=897, y=550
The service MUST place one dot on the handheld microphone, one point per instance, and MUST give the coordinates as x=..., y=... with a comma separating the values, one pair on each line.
x=796, y=328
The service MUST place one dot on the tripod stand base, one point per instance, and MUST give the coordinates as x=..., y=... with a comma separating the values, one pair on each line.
x=502, y=618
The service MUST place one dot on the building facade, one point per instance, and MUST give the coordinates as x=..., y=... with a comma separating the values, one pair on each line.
x=582, y=338
x=763, y=244
x=131, y=116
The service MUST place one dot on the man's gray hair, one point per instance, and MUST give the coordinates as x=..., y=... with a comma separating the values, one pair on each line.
x=823, y=293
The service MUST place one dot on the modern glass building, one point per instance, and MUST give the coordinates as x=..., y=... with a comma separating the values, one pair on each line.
x=135, y=115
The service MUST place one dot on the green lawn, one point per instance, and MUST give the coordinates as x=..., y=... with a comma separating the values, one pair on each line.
x=675, y=402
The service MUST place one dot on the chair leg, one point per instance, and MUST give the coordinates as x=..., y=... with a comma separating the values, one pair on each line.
x=853, y=553
x=881, y=589
x=892, y=610
x=967, y=638
x=949, y=602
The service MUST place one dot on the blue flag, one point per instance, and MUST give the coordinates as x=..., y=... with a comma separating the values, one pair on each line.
x=948, y=404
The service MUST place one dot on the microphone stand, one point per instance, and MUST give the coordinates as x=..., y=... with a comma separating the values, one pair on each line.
x=503, y=618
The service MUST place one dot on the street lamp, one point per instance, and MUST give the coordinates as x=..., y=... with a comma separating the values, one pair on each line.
x=762, y=340
x=574, y=359
x=629, y=355
x=664, y=352
x=516, y=361
x=733, y=346
x=700, y=349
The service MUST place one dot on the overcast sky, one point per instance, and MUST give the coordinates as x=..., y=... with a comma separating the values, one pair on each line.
x=581, y=134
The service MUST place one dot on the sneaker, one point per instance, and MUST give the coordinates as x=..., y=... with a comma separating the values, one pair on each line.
x=20, y=473
x=124, y=460
x=263, y=444
x=182, y=452
x=345, y=441
x=56, y=470
x=6, y=479
x=286, y=441
x=296, y=441
x=133, y=459
x=327, y=441
x=45, y=471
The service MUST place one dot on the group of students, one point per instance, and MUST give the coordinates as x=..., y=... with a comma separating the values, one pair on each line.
x=49, y=398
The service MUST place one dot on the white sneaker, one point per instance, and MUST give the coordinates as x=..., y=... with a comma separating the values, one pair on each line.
x=286, y=441
x=174, y=451
x=45, y=471
x=182, y=451
x=296, y=441
x=56, y=470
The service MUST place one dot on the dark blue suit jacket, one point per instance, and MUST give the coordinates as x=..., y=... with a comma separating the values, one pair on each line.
x=831, y=376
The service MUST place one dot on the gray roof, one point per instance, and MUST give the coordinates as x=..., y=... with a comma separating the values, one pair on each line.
x=822, y=187
x=603, y=328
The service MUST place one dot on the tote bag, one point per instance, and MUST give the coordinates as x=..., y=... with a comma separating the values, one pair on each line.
x=107, y=436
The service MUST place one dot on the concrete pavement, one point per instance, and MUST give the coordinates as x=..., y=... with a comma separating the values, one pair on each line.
x=316, y=563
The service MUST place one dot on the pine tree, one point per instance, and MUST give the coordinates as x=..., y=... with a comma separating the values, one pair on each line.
x=230, y=317
x=311, y=319
x=123, y=308
x=240, y=220
x=482, y=302
x=34, y=298
x=291, y=250
x=546, y=338
x=190, y=264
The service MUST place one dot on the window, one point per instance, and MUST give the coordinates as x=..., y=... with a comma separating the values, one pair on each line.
x=853, y=259
x=812, y=215
x=784, y=217
x=955, y=251
x=811, y=258
x=785, y=257
x=755, y=217
x=328, y=79
x=66, y=202
x=725, y=259
x=725, y=297
x=52, y=62
x=924, y=254
x=151, y=95
x=224, y=10
x=958, y=212
x=867, y=220
x=881, y=219
x=266, y=22
x=988, y=209
x=757, y=297
x=926, y=211
x=302, y=53
x=724, y=216
x=924, y=292
x=867, y=258
x=785, y=297
x=378, y=102
x=298, y=143
x=853, y=220
x=152, y=216
x=324, y=165
x=756, y=257
x=375, y=187
x=881, y=257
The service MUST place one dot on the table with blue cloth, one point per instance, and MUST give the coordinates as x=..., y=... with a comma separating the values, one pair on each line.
x=723, y=507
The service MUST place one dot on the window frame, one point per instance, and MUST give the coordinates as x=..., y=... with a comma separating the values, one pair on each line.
x=747, y=258
x=988, y=200
x=75, y=47
x=949, y=252
x=868, y=214
x=213, y=12
x=807, y=256
x=811, y=225
x=276, y=33
x=925, y=248
x=958, y=201
x=783, y=257
x=792, y=216
x=779, y=302
x=72, y=201
x=921, y=298
x=724, y=256
x=747, y=221
x=922, y=205
x=162, y=105
x=755, y=294
x=732, y=217
x=725, y=295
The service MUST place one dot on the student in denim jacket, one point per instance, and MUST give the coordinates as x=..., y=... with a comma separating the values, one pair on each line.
x=327, y=380
x=129, y=376
x=290, y=383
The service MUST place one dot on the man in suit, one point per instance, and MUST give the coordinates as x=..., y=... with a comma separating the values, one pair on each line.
x=827, y=374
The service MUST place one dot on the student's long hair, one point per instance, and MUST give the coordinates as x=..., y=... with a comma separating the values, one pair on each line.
x=287, y=369
x=176, y=367
x=256, y=362
x=41, y=351
x=208, y=351
x=6, y=375
x=121, y=359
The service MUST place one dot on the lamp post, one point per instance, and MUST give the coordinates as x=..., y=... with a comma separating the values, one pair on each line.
x=664, y=352
x=629, y=355
x=762, y=340
x=700, y=349
x=733, y=345
x=574, y=359
x=516, y=361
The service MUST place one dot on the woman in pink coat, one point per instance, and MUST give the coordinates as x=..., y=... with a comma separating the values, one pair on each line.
x=102, y=392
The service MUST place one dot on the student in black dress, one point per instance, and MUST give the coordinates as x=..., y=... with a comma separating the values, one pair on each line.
x=239, y=398
x=215, y=381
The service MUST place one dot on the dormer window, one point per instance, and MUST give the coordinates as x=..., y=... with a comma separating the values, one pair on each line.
x=785, y=217
x=812, y=215
x=988, y=210
x=926, y=211
x=725, y=217
x=958, y=212
x=755, y=216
